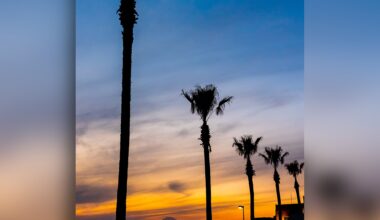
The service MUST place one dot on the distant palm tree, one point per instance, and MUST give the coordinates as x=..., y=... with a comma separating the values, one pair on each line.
x=275, y=157
x=204, y=101
x=295, y=169
x=246, y=148
x=128, y=17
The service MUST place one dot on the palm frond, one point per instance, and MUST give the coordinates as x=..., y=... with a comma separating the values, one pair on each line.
x=251, y=147
x=239, y=146
x=266, y=158
x=245, y=146
x=222, y=104
x=258, y=140
x=282, y=159
x=204, y=99
x=292, y=168
x=289, y=167
x=269, y=153
x=190, y=99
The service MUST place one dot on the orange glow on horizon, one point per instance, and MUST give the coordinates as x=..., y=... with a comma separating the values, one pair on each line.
x=158, y=205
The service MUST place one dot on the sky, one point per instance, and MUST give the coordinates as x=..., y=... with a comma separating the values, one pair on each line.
x=252, y=50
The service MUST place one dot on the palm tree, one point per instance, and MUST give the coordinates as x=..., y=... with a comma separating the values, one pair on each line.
x=204, y=102
x=128, y=17
x=295, y=169
x=275, y=157
x=246, y=148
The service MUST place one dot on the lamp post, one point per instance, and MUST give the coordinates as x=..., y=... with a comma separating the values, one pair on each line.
x=242, y=207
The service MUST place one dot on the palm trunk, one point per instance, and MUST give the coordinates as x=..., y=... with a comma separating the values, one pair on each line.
x=297, y=186
x=249, y=172
x=205, y=138
x=276, y=178
x=127, y=19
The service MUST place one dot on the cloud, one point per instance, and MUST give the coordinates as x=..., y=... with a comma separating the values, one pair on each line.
x=225, y=128
x=84, y=120
x=94, y=194
x=169, y=218
x=97, y=217
x=183, y=132
x=176, y=186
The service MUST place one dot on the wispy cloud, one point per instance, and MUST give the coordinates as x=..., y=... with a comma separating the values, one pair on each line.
x=94, y=193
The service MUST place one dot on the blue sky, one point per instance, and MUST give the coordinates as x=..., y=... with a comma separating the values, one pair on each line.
x=190, y=40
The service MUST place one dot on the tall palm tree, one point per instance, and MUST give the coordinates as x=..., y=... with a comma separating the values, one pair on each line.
x=295, y=169
x=128, y=17
x=204, y=101
x=275, y=157
x=246, y=148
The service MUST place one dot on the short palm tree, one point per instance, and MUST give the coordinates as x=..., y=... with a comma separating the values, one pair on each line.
x=246, y=148
x=275, y=157
x=295, y=169
x=205, y=101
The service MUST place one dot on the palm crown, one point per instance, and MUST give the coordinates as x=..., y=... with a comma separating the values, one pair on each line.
x=204, y=100
x=294, y=168
x=274, y=156
x=127, y=12
x=245, y=146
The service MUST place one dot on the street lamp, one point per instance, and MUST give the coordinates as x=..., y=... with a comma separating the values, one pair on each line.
x=242, y=207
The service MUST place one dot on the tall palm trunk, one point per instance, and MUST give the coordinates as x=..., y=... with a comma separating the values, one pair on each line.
x=205, y=138
x=249, y=172
x=127, y=16
x=297, y=187
x=276, y=178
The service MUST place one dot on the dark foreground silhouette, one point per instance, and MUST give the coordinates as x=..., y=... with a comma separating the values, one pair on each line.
x=246, y=148
x=204, y=101
x=128, y=18
x=275, y=157
x=295, y=169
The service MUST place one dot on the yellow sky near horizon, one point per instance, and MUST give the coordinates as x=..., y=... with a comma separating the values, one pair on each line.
x=226, y=197
x=168, y=180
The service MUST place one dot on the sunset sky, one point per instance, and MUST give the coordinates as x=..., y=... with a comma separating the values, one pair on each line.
x=249, y=49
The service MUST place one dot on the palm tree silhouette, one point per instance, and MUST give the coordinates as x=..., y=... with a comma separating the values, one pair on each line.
x=295, y=169
x=246, y=148
x=204, y=101
x=275, y=157
x=128, y=17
